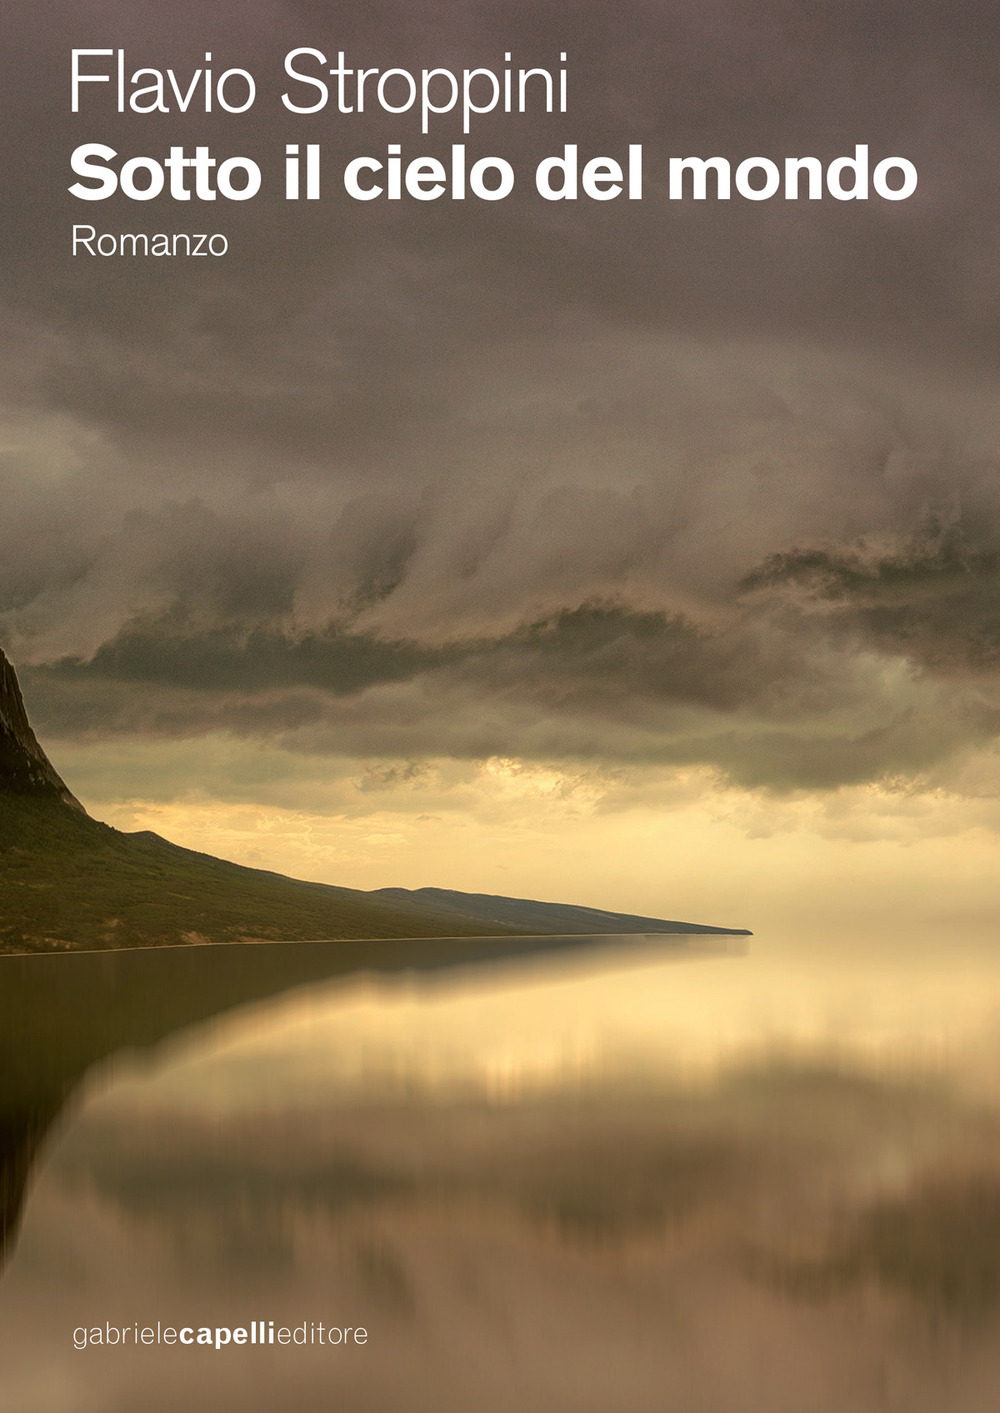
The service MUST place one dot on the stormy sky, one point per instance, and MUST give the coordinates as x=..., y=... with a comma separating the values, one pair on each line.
x=462, y=516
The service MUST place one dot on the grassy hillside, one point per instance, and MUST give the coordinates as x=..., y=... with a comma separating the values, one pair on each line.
x=538, y=917
x=68, y=882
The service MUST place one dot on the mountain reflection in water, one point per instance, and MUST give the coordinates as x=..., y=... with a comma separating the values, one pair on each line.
x=604, y=1182
x=61, y=1014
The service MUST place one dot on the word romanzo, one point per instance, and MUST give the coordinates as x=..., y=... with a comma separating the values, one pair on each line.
x=178, y=243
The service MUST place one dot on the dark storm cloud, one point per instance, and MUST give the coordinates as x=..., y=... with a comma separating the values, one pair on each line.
x=673, y=481
x=335, y=661
x=587, y=589
x=600, y=681
x=936, y=599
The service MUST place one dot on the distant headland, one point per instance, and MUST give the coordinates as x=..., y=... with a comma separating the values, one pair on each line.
x=71, y=883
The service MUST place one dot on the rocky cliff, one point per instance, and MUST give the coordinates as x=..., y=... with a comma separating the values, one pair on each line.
x=25, y=769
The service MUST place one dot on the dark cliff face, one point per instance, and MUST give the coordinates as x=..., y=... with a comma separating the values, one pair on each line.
x=25, y=769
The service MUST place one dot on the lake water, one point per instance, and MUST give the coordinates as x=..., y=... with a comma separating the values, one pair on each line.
x=628, y=1176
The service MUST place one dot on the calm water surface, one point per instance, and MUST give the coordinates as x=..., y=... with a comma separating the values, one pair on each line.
x=639, y=1176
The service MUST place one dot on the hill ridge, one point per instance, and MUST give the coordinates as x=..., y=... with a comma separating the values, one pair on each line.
x=70, y=882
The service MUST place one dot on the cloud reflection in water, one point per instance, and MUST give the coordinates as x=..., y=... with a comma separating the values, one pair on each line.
x=796, y=1225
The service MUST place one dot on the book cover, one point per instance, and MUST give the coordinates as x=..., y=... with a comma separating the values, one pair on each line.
x=511, y=488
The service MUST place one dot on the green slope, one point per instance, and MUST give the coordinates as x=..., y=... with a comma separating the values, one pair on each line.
x=69, y=882
x=537, y=917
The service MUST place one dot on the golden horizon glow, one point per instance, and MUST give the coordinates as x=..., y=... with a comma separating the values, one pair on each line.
x=657, y=842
